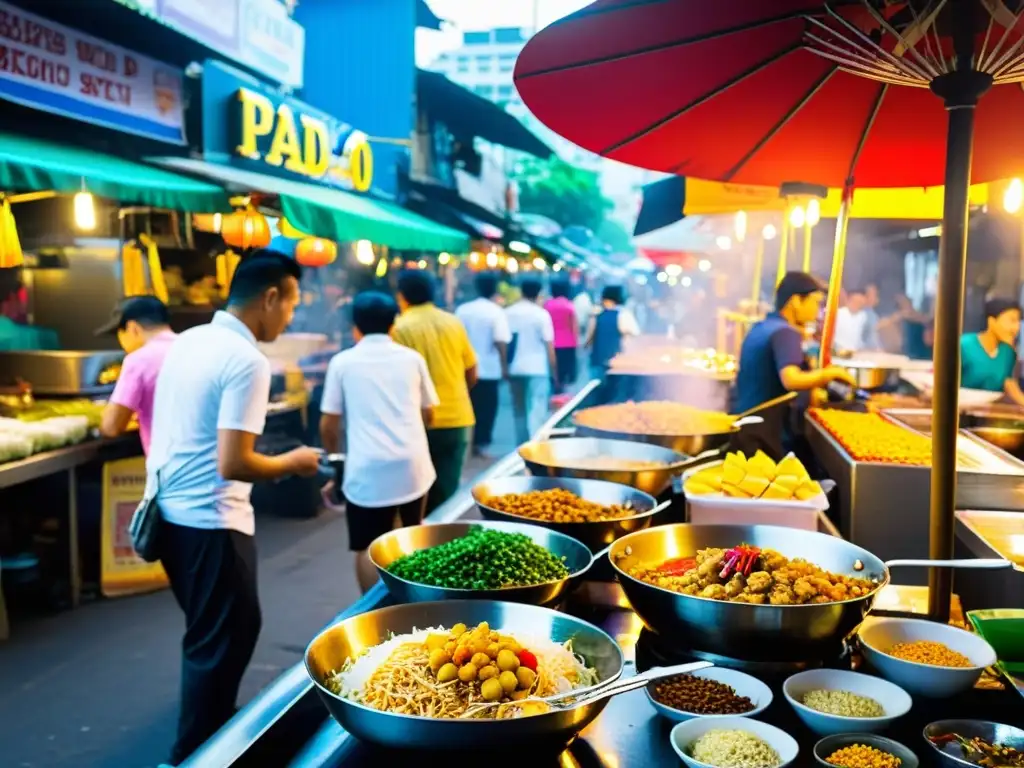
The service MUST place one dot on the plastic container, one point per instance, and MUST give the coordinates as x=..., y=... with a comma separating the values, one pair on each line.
x=727, y=510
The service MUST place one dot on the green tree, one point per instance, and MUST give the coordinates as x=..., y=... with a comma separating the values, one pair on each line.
x=613, y=233
x=562, y=192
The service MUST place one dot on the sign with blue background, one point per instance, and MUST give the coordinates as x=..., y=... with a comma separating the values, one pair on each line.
x=248, y=125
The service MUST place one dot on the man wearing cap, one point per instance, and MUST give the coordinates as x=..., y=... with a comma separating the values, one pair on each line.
x=772, y=361
x=143, y=328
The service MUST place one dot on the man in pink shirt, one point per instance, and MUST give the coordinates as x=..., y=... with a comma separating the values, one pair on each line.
x=143, y=328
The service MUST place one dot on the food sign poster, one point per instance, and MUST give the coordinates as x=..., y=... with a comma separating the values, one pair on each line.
x=122, y=572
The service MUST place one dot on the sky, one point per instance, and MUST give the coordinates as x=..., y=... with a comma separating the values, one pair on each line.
x=485, y=14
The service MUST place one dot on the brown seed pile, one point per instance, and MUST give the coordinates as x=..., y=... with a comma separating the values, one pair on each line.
x=862, y=756
x=929, y=652
x=556, y=505
x=701, y=696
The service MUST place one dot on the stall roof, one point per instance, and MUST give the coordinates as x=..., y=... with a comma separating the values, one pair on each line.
x=34, y=165
x=333, y=213
x=467, y=114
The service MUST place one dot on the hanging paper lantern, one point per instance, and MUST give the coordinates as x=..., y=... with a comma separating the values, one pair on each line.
x=246, y=229
x=316, y=252
x=10, y=245
x=207, y=222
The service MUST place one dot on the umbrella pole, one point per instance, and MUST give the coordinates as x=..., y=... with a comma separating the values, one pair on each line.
x=960, y=89
x=835, y=278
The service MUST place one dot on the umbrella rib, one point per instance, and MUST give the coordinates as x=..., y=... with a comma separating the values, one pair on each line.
x=901, y=64
x=861, y=70
x=783, y=121
x=868, y=125
x=705, y=97
x=697, y=39
x=1006, y=61
x=904, y=43
x=858, y=56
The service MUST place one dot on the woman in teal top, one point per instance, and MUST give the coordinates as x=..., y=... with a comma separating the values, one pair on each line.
x=988, y=360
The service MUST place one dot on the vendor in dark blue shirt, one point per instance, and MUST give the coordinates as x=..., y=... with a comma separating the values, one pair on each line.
x=772, y=360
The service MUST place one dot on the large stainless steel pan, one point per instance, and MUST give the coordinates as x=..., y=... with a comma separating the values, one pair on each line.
x=581, y=457
x=745, y=631
x=596, y=535
x=404, y=541
x=552, y=731
x=690, y=445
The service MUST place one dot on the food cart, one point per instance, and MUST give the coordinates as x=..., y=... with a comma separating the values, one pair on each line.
x=287, y=724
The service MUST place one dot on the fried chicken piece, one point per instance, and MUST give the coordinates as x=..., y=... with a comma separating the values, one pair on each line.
x=804, y=590
x=711, y=564
x=714, y=591
x=735, y=586
x=759, y=582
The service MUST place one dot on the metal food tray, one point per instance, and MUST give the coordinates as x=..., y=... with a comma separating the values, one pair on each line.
x=885, y=507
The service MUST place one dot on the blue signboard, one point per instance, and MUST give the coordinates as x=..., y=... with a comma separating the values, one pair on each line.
x=249, y=125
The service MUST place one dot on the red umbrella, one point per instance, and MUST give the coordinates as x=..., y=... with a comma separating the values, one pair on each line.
x=877, y=93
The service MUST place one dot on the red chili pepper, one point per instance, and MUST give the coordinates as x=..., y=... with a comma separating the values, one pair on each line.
x=678, y=566
x=527, y=659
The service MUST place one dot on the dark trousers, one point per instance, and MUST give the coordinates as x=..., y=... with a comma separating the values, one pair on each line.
x=213, y=578
x=484, y=396
x=448, y=448
x=566, y=360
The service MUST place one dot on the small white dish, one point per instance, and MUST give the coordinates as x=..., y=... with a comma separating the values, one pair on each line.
x=759, y=694
x=686, y=733
x=877, y=636
x=894, y=700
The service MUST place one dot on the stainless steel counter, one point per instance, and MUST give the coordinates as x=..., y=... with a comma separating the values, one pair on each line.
x=884, y=507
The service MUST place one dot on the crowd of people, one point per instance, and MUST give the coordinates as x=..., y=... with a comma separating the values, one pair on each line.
x=406, y=402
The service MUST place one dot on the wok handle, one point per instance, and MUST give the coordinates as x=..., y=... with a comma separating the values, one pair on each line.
x=700, y=458
x=662, y=507
x=991, y=563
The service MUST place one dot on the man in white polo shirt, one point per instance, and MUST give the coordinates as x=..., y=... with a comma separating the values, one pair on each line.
x=387, y=398
x=210, y=406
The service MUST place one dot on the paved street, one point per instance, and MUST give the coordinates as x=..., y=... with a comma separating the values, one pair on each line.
x=98, y=686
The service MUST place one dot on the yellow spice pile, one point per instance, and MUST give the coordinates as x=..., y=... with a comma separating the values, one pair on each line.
x=929, y=652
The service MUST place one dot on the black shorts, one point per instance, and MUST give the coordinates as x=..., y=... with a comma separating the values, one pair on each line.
x=367, y=523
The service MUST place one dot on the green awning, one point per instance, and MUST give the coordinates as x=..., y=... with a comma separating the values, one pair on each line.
x=33, y=165
x=333, y=213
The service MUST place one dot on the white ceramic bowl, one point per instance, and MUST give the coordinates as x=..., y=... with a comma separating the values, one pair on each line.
x=877, y=636
x=894, y=700
x=686, y=733
x=744, y=685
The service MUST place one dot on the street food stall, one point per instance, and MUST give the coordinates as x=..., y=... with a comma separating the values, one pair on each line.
x=621, y=624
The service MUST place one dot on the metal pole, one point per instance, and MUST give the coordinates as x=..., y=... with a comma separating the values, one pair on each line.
x=807, y=247
x=758, y=266
x=960, y=90
x=835, y=278
x=783, y=250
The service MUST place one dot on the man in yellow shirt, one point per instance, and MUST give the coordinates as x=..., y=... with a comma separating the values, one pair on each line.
x=442, y=341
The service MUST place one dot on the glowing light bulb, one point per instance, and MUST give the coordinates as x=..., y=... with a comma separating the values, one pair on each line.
x=768, y=233
x=444, y=258
x=813, y=213
x=741, y=226
x=364, y=252
x=687, y=281
x=1013, y=198
x=512, y=266
x=492, y=259
x=85, y=211
x=724, y=242
x=703, y=265
x=662, y=277
x=797, y=217
x=422, y=264
x=540, y=264
x=673, y=270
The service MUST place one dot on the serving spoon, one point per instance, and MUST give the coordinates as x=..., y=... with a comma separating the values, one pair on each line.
x=536, y=705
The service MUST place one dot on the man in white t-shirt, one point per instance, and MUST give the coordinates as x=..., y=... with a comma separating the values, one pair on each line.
x=851, y=323
x=209, y=407
x=489, y=335
x=385, y=394
x=533, y=367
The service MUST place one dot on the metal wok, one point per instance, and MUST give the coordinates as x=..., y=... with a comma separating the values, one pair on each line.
x=690, y=445
x=596, y=535
x=742, y=630
x=553, y=730
x=404, y=541
x=579, y=457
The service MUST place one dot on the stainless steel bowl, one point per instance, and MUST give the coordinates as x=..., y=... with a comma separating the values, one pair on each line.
x=994, y=733
x=554, y=730
x=742, y=630
x=404, y=541
x=596, y=535
x=570, y=457
x=1008, y=439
